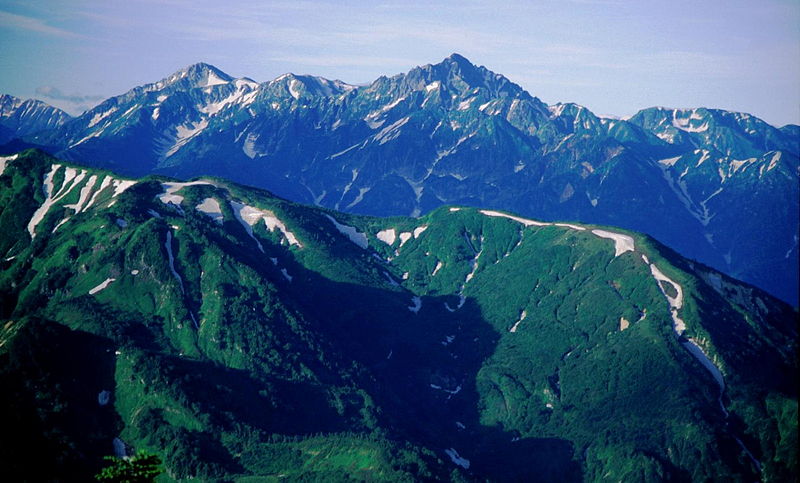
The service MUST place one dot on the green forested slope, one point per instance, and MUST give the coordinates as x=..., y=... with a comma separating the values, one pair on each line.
x=236, y=334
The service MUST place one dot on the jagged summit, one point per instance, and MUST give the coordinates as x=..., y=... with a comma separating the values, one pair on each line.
x=455, y=133
x=199, y=75
x=457, y=74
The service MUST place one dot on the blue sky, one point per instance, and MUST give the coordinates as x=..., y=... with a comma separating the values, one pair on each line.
x=613, y=56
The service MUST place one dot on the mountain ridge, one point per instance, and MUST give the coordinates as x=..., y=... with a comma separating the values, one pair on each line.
x=411, y=142
x=241, y=334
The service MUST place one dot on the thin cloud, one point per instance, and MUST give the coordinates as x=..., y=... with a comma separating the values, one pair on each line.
x=31, y=24
x=74, y=104
x=55, y=93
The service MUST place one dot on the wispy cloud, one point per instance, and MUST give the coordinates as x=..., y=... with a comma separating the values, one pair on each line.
x=74, y=104
x=31, y=24
x=55, y=93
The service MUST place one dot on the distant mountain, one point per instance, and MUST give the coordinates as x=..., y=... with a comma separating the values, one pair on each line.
x=20, y=118
x=455, y=133
x=237, y=334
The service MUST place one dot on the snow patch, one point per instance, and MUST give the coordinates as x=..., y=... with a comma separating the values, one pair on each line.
x=211, y=207
x=100, y=116
x=248, y=216
x=351, y=233
x=521, y=318
x=387, y=236
x=169, y=196
x=103, y=185
x=669, y=161
x=102, y=286
x=684, y=124
x=294, y=90
x=213, y=80
x=4, y=160
x=675, y=303
x=390, y=132
x=171, y=258
x=84, y=195
x=120, y=185
x=404, y=237
x=389, y=106
x=568, y=225
x=456, y=459
x=622, y=243
x=50, y=198
x=184, y=133
x=518, y=219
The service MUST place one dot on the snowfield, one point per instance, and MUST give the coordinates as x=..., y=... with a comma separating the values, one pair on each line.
x=622, y=243
x=211, y=207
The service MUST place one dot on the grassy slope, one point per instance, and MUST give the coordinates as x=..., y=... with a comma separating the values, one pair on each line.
x=331, y=374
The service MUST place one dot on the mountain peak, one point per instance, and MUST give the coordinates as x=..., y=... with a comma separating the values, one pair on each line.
x=456, y=58
x=198, y=75
x=457, y=72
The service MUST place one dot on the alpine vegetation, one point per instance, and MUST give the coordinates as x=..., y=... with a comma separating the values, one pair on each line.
x=236, y=334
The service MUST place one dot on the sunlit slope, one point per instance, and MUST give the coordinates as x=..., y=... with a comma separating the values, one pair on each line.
x=237, y=334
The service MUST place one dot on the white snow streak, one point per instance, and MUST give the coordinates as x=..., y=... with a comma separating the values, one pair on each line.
x=456, y=459
x=521, y=318
x=675, y=303
x=121, y=185
x=168, y=246
x=102, y=286
x=518, y=219
x=351, y=233
x=50, y=199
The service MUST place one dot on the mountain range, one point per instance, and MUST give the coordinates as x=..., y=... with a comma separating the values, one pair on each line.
x=719, y=187
x=240, y=335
